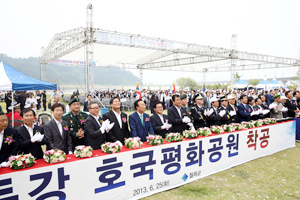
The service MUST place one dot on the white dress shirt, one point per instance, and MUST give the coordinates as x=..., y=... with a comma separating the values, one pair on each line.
x=118, y=116
x=232, y=106
x=97, y=119
x=1, y=138
x=59, y=125
x=161, y=118
x=178, y=110
x=30, y=130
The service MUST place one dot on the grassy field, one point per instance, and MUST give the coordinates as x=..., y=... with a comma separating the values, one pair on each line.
x=272, y=177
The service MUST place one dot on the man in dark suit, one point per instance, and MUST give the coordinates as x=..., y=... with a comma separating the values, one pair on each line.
x=9, y=141
x=139, y=121
x=244, y=110
x=31, y=137
x=232, y=109
x=270, y=98
x=120, y=130
x=159, y=121
x=44, y=100
x=85, y=104
x=264, y=104
x=192, y=98
x=251, y=104
x=178, y=116
x=207, y=102
x=290, y=104
x=57, y=132
x=95, y=127
x=197, y=111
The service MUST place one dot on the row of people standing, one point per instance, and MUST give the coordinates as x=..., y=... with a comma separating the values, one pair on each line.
x=78, y=128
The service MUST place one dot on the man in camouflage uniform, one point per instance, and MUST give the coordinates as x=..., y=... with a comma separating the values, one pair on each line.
x=76, y=120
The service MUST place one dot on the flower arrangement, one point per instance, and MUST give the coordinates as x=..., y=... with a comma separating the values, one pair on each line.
x=124, y=120
x=173, y=137
x=217, y=129
x=190, y=134
x=257, y=123
x=266, y=121
x=133, y=142
x=238, y=126
x=228, y=128
x=154, y=140
x=66, y=128
x=110, y=147
x=248, y=124
x=205, y=131
x=54, y=156
x=21, y=161
x=273, y=121
x=9, y=140
x=82, y=151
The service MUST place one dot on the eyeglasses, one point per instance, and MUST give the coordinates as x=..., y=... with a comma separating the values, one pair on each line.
x=3, y=120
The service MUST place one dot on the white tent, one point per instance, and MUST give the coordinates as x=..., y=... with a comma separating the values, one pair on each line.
x=241, y=83
x=274, y=84
x=263, y=84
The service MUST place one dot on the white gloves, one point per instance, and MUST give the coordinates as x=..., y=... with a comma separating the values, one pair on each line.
x=166, y=126
x=192, y=128
x=104, y=126
x=284, y=109
x=208, y=112
x=37, y=137
x=272, y=106
x=119, y=143
x=70, y=152
x=254, y=113
x=232, y=113
x=109, y=126
x=222, y=113
x=190, y=124
x=186, y=120
x=265, y=112
x=4, y=164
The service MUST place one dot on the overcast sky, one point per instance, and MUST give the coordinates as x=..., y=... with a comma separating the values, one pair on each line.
x=266, y=27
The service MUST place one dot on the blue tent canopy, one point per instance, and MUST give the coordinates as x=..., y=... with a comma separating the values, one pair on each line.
x=275, y=82
x=241, y=81
x=264, y=82
x=13, y=80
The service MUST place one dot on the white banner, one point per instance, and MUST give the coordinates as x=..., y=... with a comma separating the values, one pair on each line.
x=140, y=173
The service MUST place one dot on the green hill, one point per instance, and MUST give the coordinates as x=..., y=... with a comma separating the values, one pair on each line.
x=70, y=74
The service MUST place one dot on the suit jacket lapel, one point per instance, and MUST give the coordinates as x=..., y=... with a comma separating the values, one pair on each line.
x=144, y=121
x=176, y=111
x=115, y=119
x=56, y=128
x=24, y=129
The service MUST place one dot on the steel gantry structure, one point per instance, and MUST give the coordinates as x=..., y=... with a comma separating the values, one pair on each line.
x=134, y=51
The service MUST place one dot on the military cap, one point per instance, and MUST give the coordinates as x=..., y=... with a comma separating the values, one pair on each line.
x=224, y=99
x=275, y=96
x=73, y=100
x=183, y=97
x=198, y=96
